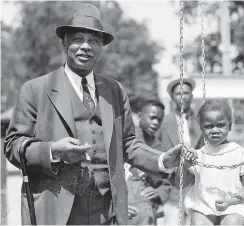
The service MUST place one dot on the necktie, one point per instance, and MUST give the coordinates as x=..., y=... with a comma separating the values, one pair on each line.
x=87, y=99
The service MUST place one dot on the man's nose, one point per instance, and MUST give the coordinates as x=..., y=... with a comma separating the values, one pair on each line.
x=85, y=45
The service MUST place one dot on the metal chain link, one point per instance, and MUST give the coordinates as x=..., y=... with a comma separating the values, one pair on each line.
x=203, y=64
x=220, y=167
x=181, y=210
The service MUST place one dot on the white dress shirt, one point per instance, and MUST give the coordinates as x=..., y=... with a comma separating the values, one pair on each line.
x=75, y=81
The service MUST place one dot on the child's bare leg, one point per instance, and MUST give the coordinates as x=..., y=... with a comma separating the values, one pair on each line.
x=200, y=219
x=232, y=219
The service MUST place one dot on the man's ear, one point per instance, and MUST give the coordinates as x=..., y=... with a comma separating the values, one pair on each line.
x=139, y=115
x=64, y=44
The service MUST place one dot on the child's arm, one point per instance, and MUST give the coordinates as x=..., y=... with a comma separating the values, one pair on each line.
x=239, y=197
x=223, y=204
x=188, y=177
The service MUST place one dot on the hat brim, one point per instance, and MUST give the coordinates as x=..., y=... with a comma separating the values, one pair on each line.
x=176, y=82
x=61, y=30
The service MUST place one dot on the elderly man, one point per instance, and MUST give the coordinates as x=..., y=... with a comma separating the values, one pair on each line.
x=84, y=124
x=170, y=135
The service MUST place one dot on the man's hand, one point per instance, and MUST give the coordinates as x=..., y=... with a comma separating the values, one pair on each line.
x=150, y=193
x=189, y=153
x=132, y=211
x=172, y=156
x=69, y=149
x=222, y=204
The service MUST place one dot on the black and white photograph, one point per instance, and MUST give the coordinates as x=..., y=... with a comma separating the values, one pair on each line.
x=127, y=112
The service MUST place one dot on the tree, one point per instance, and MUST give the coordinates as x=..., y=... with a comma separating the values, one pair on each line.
x=212, y=41
x=128, y=59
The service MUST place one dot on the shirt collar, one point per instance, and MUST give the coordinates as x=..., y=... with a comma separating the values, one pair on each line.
x=76, y=77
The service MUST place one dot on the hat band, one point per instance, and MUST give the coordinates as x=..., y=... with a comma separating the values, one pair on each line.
x=85, y=22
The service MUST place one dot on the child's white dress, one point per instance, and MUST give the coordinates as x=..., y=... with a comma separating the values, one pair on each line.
x=213, y=184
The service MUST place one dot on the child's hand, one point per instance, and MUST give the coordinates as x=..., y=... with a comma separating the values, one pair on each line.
x=150, y=193
x=222, y=204
x=132, y=211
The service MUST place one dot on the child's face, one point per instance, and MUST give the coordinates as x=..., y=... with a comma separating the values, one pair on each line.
x=215, y=126
x=151, y=119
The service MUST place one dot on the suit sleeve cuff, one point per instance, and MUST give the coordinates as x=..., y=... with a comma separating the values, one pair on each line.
x=51, y=157
x=161, y=165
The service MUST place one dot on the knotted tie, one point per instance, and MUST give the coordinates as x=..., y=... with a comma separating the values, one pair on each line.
x=87, y=99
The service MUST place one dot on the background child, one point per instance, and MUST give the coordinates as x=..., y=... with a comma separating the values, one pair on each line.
x=147, y=193
x=216, y=195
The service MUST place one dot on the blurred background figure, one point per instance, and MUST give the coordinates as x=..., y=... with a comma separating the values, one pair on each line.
x=170, y=134
x=147, y=193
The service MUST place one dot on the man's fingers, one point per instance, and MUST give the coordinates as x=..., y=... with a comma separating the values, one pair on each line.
x=78, y=148
x=187, y=146
x=220, y=201
x=85, y=147
x=73, y=141
x=189, y=156
x=189, y=153
x=175, y=149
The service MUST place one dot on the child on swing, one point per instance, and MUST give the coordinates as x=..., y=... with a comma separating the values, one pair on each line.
x=216, y=196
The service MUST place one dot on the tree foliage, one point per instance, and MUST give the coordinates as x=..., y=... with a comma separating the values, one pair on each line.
x=32, y=48
x=213, y=40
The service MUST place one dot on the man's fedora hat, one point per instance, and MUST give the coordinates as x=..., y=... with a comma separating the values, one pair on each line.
x=88, y=17
x=174, y=83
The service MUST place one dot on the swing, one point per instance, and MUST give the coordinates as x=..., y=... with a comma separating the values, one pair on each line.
x=181, y=207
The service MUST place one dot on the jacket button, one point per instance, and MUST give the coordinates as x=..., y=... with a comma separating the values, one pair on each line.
x=93, y=131
x=95, y=152
x=94, y=142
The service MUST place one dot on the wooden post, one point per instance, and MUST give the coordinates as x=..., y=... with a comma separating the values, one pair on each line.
x=226, y=45
x=225, y=38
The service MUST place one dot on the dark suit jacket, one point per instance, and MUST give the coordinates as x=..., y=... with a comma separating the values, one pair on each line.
x=43, y=110
x=170, y=136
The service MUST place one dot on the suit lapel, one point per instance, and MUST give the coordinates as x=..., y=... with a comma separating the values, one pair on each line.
x=106, y=109
x=60, y=99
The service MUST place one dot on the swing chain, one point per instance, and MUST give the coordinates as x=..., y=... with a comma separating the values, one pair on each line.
x=218, y=167
x=203, y=64
x=181, y=211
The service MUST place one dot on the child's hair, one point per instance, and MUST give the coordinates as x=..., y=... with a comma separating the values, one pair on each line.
x=215, y=105
x=153, y=102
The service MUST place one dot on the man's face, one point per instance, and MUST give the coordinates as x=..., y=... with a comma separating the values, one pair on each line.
x=187, y=96
x=83, y=49
x=215, y=126
x=150, y=119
